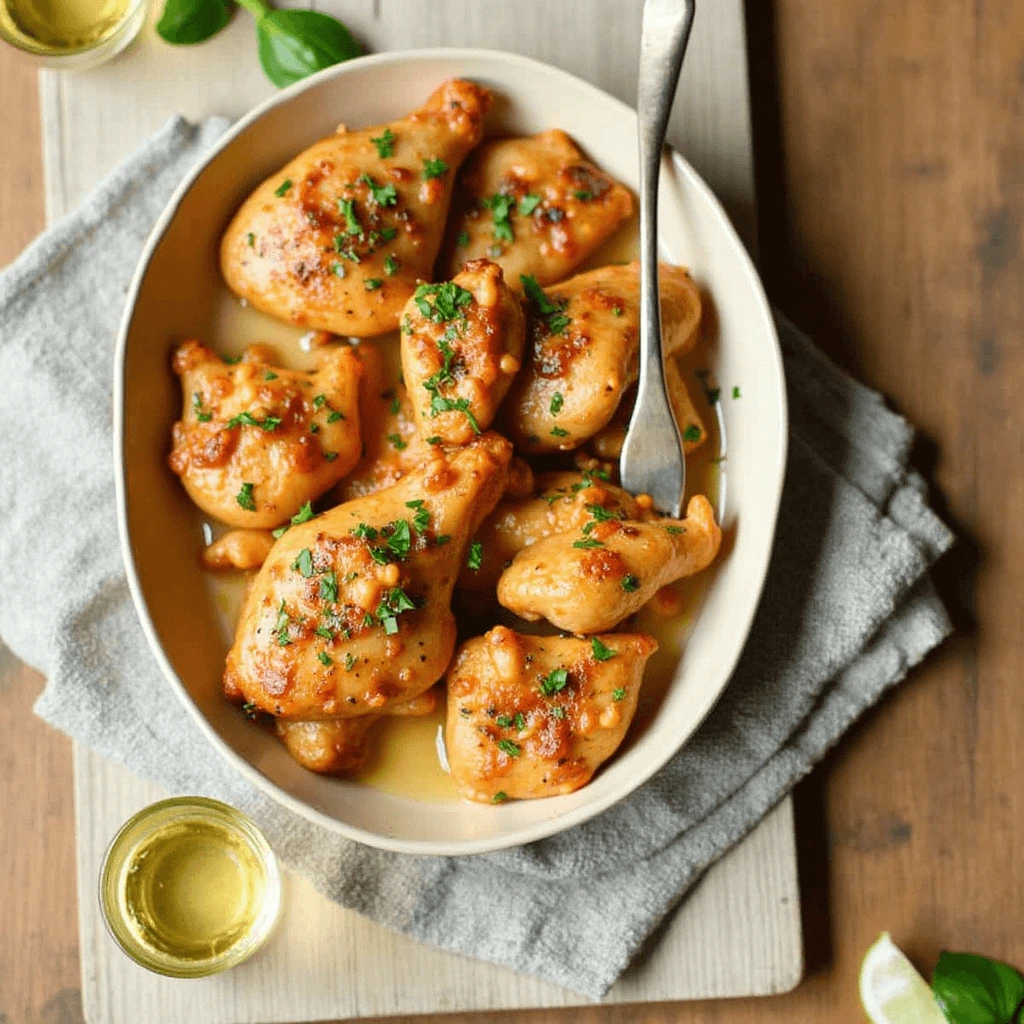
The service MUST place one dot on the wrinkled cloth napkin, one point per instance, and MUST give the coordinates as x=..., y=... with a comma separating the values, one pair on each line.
x=847, y=609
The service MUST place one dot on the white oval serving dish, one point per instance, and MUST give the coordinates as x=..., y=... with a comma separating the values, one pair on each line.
x=174, y=295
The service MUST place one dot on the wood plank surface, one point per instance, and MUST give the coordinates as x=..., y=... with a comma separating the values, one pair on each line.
x=888, y=142
x=740, y=934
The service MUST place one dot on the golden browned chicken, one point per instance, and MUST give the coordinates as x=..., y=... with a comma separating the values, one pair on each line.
x=338, y=746
x=392, y=446
x=563, y=502
x=350, y=614
x=239, y=549
x=532, y=716
x=607, y=443
x=462, y=343
x=257, y=442
x=537, y=206
x=339, y=238
x=585, y=341
x=589, y=580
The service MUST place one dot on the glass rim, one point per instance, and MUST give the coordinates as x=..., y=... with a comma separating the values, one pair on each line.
x=143, y=823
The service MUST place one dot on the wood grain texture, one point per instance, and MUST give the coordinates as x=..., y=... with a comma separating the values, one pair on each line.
x=888, y=142
x=740, y=933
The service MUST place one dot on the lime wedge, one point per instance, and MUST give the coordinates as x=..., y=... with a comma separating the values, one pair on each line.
x=891, y=990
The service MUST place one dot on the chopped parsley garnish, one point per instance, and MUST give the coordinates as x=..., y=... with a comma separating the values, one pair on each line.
x=629, y=583
x=314, y=428
x=245, y=498
x=440, y=404
x=675, y=530
x=281, y=626
x=619, y=693
x=434, y=439
x=397, y=443
x=203, y=415
x=333, y=416
x=391, y=265
x=501, y=207
x=618, y=311
x=476, y=556
x=462, y=239
x=246, y=419
x=421, y=520
x=588, y=481
x=448, y=298
x=302, y=516
x=736, y=391
x=319, y=401
x=504, y=721
x=352, y=225
x=329, y=587
x=325, y=659
x=364, y=532
x=554, y=682
x=350, y=661
x=604, y=515
x=600, y=652
x=520, y=721
x=442, y=539
x=372, y=283
x=391, y=606
x=251, y=239
x=557, y=401
x=583, y=195
x=270, y=375
x=559, y=432
x=388, y=234
x=434, y=168
x=304, y=563
x=250, y=710
x=558, y=711
x=529, y=203
x=587, y=542
x=385, y=144
x=283, y=187
x=324, y=632
x=544, y=307
x=508, y=747
x=691, y=433
x=337, y=269
x=400, y=539
x=383, y=195
x=499, y=798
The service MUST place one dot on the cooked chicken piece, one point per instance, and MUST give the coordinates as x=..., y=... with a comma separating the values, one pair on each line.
x=340, y=236
x=462, y=343
x=607, y=443
x=565, y=501
x=392, y=445
x=585, y=342
x=256, y=442
x=537, y=206
x=338, y=746
x=350, y=613
x=239, y=549
x=532, y=716
x=589, y=580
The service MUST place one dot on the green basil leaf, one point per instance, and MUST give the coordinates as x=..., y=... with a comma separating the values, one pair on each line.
x=975, y=990
x=191, y=21
x=294, y=44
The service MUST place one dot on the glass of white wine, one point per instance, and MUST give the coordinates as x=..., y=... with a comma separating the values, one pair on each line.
x=71, y=34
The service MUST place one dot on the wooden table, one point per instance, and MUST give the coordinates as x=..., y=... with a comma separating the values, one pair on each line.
x=890, y=146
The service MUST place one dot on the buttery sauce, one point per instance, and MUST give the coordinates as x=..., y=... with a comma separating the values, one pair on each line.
x=406, y=755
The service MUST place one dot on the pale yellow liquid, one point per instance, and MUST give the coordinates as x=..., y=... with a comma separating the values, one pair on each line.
x=61, y=26
x=192, y=889
x=404, y=752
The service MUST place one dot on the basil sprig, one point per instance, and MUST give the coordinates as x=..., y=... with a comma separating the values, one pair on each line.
x=291, y=43
x=972, y=989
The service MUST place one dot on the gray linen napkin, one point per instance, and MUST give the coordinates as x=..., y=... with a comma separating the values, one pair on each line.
x=847, y=609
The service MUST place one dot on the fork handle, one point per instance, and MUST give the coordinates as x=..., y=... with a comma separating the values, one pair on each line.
x=665, y=32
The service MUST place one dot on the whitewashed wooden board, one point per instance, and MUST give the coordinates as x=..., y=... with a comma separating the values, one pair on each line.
x=738, y=932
